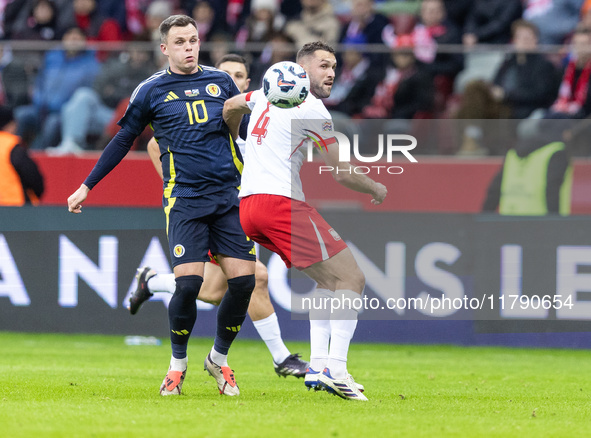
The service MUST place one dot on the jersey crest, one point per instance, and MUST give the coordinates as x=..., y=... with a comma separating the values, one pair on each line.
x=213, y=90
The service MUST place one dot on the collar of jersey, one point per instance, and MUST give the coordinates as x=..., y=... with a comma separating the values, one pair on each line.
x=192, y=75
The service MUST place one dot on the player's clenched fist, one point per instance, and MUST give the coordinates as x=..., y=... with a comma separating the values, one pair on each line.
x=77, y=198
x=379, y=193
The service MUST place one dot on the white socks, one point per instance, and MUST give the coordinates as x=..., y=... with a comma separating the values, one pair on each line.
x=343, y=322
x=218, y=358
x=178, y=364
x=337, y=326
x=320, y=328
x=162, y=283
x=269, y=331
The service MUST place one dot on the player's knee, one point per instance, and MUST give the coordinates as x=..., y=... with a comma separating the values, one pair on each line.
x=187, y=288
x=262, y=276
x=356, y=279
x=241, y=287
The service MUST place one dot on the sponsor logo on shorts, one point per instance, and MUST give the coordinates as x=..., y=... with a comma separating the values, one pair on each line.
x=334, y=234
x=179, y=250
x=213, y=90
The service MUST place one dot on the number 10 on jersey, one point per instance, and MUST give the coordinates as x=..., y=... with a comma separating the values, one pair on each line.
x=197, y=111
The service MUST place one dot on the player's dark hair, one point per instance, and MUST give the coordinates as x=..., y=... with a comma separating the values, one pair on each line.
x=174, y=21
x=233, y=57
x=311, y=48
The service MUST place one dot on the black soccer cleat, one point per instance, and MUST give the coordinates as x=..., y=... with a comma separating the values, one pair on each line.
x=292, y=366
x=142, y=293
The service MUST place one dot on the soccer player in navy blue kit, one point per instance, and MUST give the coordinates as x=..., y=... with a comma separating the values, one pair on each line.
x=201, y=165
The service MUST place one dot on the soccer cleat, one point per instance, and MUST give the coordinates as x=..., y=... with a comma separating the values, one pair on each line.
x=223, y=376
x=345, y=388
x=173, y=382
x=311, y=380
x=141, y=293
x=292, y=366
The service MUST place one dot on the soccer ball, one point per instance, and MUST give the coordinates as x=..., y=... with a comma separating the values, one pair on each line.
x=286, y=84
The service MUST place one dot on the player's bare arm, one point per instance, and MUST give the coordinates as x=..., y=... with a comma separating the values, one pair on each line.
x=154, y=153
x=234, y=109
x=343, y=173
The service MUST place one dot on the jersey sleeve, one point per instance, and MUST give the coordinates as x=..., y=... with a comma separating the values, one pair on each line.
x=316, y=126
x=137, y=115
x=243, y=130
x=253, y=96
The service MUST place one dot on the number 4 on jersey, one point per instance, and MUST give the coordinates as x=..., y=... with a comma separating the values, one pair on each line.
x=260, y=128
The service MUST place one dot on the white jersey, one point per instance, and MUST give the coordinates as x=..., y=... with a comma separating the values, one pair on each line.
x=275, y=150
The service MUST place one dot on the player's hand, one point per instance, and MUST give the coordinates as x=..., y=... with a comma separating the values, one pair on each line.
x=77, y=198
x=379, y=194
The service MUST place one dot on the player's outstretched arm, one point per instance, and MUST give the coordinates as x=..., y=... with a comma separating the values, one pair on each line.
x=154, y=153
x=112, y=155
x=343, y=173
x=234, y=109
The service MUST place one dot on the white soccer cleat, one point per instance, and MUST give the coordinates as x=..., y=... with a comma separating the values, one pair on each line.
x=223, y=376
x=345, y=388
x=173, y=382
x=311, y=380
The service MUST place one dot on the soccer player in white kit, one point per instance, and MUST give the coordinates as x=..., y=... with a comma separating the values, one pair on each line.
x=273, y=212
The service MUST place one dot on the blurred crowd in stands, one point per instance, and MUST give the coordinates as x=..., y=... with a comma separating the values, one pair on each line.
x=467, y=70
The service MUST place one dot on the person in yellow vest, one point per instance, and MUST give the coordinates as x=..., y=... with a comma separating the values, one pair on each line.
x=536, y=177
x=20, y=180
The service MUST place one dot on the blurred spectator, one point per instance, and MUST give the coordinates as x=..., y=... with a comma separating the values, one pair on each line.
x=489, y=21
x=115, y=9
x=39, y=24
x=20, y=16
x=280, y=48
x=435, y=29
x=219, y=46
x=14, y=84
x=229, y=15
x=155, y=14
x=556, y=19
x=63, y=71
x=526, y=80
x=204, y=15
x=317, y=21
x=407, y=88
x=477, y=106
x=536, y=176
x=354, y=84
x=89, y=110
x=262, y=23
x=20, y=180
x=586, y=14
x=457, y=11
x=365, y=27
x=93, y=23
x=574, y=100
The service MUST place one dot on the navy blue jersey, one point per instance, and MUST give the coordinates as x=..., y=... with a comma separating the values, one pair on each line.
x=185, y=111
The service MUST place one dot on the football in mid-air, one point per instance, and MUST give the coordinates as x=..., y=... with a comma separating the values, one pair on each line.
x=286, y=84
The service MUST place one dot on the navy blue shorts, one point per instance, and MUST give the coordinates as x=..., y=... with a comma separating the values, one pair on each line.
x=211, y=222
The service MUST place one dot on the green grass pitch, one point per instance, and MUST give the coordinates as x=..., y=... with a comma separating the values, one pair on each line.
x=96, y=386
